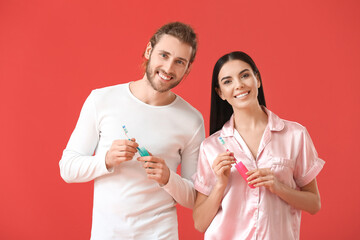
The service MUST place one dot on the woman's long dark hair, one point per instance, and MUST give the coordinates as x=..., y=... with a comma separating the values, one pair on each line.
x=221, y=110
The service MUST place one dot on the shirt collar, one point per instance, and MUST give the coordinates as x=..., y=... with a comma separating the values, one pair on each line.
x=274, y=124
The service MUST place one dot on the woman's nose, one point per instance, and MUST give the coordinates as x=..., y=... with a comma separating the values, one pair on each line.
x=238, y=83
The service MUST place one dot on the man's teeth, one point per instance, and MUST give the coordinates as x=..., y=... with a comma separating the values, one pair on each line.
x=242, y=95
x=164, y=76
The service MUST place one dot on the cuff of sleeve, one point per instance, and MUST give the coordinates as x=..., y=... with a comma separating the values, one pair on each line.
x=313, y=172
x=202, y=188
x=105, y=170
x=181, y=189
x=171, y=183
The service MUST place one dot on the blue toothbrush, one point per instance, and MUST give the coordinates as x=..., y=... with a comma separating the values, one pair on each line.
x=142, y=151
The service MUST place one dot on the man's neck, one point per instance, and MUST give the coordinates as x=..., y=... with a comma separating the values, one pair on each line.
x=143, y=91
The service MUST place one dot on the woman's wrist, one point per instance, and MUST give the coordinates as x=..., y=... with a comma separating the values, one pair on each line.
x=220, y=186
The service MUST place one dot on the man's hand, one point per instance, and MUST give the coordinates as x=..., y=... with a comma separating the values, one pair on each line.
x=156, y=169
x=120, y=151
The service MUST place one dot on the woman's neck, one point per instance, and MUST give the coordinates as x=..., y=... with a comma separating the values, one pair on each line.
x=248, y=119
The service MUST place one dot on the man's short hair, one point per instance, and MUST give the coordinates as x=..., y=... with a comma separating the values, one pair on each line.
x=184, y=32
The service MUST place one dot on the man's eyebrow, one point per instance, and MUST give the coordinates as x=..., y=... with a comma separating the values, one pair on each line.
x=180, y=58
x=183, y=59
x=163, y=51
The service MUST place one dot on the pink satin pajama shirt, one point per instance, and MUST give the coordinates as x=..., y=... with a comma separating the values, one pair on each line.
x=245, y=213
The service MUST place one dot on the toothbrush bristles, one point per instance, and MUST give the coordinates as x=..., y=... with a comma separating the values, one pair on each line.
x=223, y=143
x=126, y=131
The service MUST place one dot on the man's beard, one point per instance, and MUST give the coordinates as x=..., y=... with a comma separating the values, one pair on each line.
x=160, y=87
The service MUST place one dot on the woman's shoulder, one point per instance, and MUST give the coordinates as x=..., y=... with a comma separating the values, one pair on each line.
x=294, y=125
x=280, y=124
x=213, y=139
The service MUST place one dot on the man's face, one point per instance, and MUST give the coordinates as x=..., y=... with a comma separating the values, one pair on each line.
x=168, y=63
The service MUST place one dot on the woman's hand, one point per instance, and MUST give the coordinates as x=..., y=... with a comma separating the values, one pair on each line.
x=222, y=166
x=206, y=207
x=263, y=177
x=307, y=198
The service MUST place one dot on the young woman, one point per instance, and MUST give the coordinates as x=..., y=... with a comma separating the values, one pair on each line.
x=280, y=157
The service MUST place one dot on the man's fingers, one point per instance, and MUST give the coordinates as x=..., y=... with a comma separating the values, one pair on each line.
x=126, y=142
x=150, y=159
x=153, y=171
x=148, y=164
x=124, y=154
x=126, y=148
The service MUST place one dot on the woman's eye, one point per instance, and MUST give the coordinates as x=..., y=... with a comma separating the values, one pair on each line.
x=226, y=81
x=245, y=75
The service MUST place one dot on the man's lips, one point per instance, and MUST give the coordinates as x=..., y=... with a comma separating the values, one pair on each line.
x=164, y=76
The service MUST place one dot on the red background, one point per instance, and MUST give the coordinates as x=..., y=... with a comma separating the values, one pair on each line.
x=52, y=53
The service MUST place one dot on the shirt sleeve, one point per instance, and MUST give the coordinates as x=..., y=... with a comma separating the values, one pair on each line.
x=181, y=188
x=308, y=164
x=204, y=179
x=78, y=162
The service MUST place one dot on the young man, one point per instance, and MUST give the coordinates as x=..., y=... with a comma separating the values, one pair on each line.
x=134, y=197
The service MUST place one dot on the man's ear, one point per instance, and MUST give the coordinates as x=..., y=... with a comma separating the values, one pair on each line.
x=148, y=51
x=218, y=91
x=188, y=69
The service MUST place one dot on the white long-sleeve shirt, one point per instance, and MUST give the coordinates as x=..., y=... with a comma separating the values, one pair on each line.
x=128, y=205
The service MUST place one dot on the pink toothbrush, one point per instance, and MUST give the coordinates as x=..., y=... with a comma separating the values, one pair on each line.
x=239, y=165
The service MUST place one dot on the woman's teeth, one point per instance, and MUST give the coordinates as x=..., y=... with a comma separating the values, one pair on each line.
x=242, y=95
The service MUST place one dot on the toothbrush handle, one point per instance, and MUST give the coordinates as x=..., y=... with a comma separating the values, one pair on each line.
x=243, y=170
x=131, y=140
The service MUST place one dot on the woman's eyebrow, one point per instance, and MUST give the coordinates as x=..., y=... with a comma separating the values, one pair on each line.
x=227, y=77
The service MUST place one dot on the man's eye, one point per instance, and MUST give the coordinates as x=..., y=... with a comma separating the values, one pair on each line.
x=163, y=55
x=180, y=62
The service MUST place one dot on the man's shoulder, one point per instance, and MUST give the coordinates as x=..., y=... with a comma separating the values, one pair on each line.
x=188, y=108
x=104, y=97
x=110, y=89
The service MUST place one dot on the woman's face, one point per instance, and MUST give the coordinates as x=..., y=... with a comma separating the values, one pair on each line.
x=238, y=84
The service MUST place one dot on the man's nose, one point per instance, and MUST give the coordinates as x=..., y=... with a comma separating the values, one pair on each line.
x=168, y=66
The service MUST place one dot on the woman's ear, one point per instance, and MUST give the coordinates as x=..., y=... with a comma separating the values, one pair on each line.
x=218, y=91
x=148, y=51
x=258, y=80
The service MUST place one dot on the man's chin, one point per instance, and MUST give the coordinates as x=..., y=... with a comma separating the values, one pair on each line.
x=163, y=87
